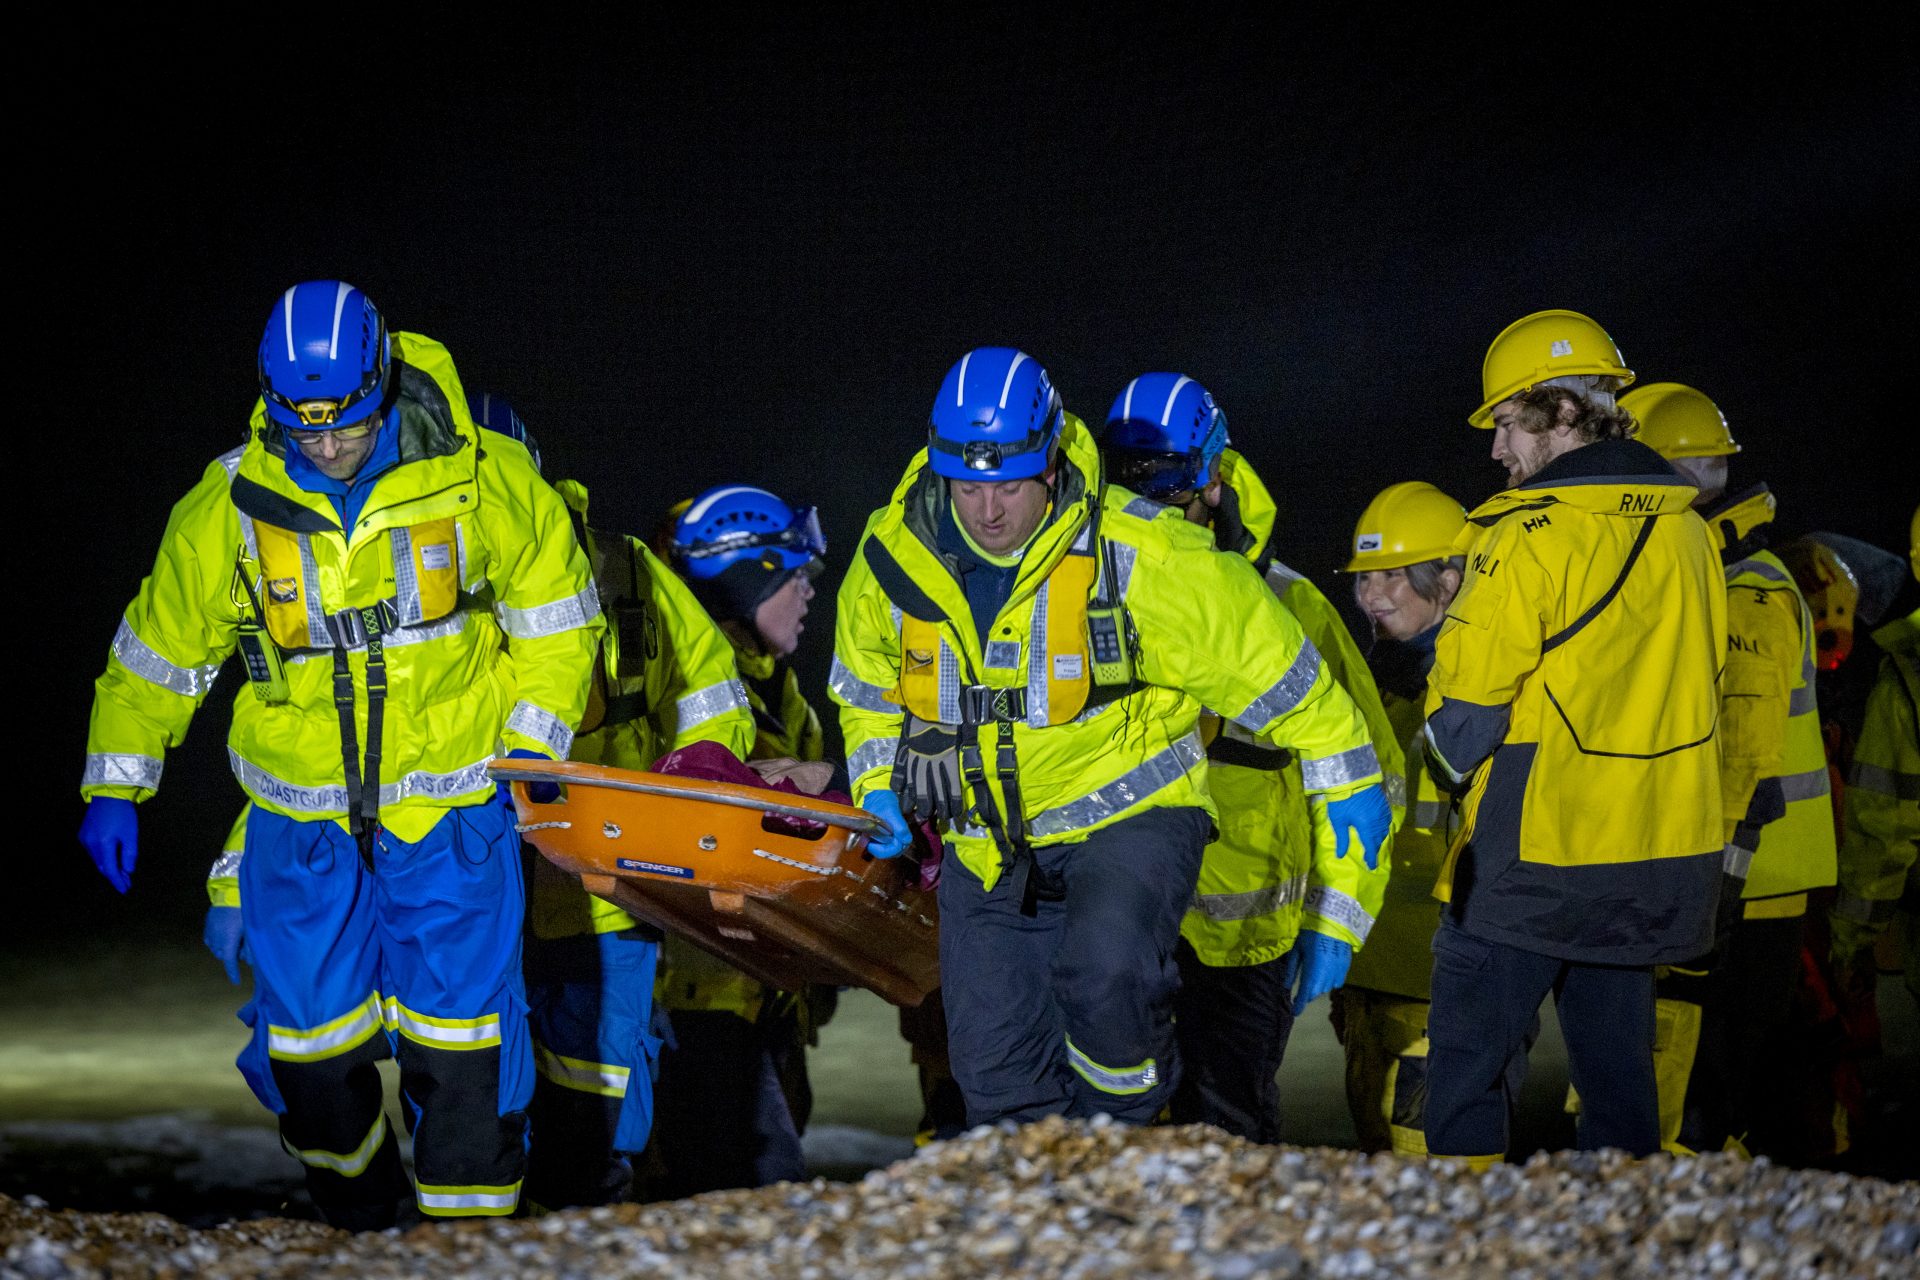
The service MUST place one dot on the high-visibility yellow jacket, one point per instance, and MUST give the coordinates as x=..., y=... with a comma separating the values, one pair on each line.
x=1770, y=739
x=459, y=547
x=1398, y=958
x=1577, y=678
x=1209, y=632
x=1882, y=797
x=1265, y=876
x=787, y=726
x=665, y=678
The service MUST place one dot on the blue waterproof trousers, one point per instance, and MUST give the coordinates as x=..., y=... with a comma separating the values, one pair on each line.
x=1070, y=1011
x=417, y=958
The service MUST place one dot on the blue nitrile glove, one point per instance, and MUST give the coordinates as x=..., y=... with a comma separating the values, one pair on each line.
x=1321, y=963
x=111, y=833
x=885, y=805
x=223, y=937
x=1366, y=815
x=538, y=792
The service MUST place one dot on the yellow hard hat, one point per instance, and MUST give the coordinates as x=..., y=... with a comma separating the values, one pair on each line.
x=1678, y=422
x=1405, y=524
x=1546, y=344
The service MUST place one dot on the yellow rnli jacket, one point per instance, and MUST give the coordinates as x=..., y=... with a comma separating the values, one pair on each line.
x=1882, y=797
x=1576, y=678
x=1398, y=958
x=459, y=548
x=664, y=678
x=1773, y=758
x=1266, y=876
x=786, y=726
x=1205, y=631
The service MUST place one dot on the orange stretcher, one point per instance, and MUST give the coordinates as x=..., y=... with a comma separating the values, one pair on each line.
x=702, y=859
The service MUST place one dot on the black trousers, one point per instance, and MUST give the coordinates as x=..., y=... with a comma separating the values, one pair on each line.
x=1232, y=1025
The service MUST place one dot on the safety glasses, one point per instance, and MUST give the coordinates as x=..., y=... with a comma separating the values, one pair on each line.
x=358, y=432
x=1172, y=478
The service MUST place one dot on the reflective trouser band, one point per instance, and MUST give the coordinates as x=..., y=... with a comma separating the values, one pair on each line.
x=1253, y=903
x=355, y=1162
x=1129, y=789
x=702, y=705
x=467, y=1202
x=607, y=1079
x=118, y=769
x=1850, y=906
x=1342, y=909
x=443, y=1033
x=1736, y=861
x=1286, y=692
x=544, y=727
x=857, y=693
x=874, y=753
x=1329, y=772
x=1810, y=785
x=1887, y=782
x=1120, y=1080
x=329, y=1039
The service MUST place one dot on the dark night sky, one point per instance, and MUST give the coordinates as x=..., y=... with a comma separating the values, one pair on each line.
x=749, y=251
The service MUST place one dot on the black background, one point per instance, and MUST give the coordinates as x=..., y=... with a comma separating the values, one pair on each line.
x=745, y=245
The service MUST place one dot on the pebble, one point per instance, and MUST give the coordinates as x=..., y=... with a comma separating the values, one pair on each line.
x=1093, y=1201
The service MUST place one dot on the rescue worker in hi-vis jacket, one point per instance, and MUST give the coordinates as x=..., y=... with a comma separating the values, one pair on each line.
x=1023, y=653
x=1277, y=915
x=370, y=559
x=1575, y=683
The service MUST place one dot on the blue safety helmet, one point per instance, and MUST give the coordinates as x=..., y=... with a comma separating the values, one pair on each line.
x=325, y=358
x=997, y=418
x=495, y=414
x=732, y=523
x=1162, y=435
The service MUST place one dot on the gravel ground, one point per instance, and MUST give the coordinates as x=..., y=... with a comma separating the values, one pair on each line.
x=1094, y=1200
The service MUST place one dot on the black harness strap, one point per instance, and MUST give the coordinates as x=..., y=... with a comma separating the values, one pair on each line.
x=363, y=785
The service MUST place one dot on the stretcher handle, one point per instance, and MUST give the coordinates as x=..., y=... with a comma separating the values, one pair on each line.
x=831, y=814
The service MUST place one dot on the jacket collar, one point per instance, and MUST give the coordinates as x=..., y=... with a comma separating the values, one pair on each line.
x=1741, y=523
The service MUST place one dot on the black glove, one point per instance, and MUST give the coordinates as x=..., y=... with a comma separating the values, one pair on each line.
x=926, y=773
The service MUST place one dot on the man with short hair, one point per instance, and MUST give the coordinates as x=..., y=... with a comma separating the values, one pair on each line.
x=1576, y=684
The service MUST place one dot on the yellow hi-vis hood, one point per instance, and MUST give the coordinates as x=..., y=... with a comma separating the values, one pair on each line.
x=1209, y=631
x=1244, y=523
x=462, y=546
x=1577, y=679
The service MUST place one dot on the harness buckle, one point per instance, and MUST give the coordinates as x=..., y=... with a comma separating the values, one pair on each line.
x=982, y=704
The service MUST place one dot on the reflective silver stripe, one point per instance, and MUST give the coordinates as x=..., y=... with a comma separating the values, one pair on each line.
x=857, y=693
x=1113, y=1079
x=1286, y=692
x=874, y=753
x=355, y=1162
x=431, y=1198
x=231, y=461
x=460, y=551
x=1279, y=577
x=1342, y=909
x=406, y=583
x=330, y=799
x=949, y=684
x=1396, y=787
x=451, y=625
x=1758, y=568
x=329, y=1039
x=608, y=1079
x=137, y=656
x=1038, y=659
x=544, y=727
x=550, y=619
x=1812, y=784
x=1255, y=902
x=1123, y=557
x=226, y=865
x=1802, y=700
x=1338, y=771
x=319, y=635
x=115, y=769
x=702, y=705
x=1429, y=814
x=1144, y=508
x=1885, y=782
x=443, y=1033
x=1851, y=906
x=1129, y=789
x=1736, y=862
